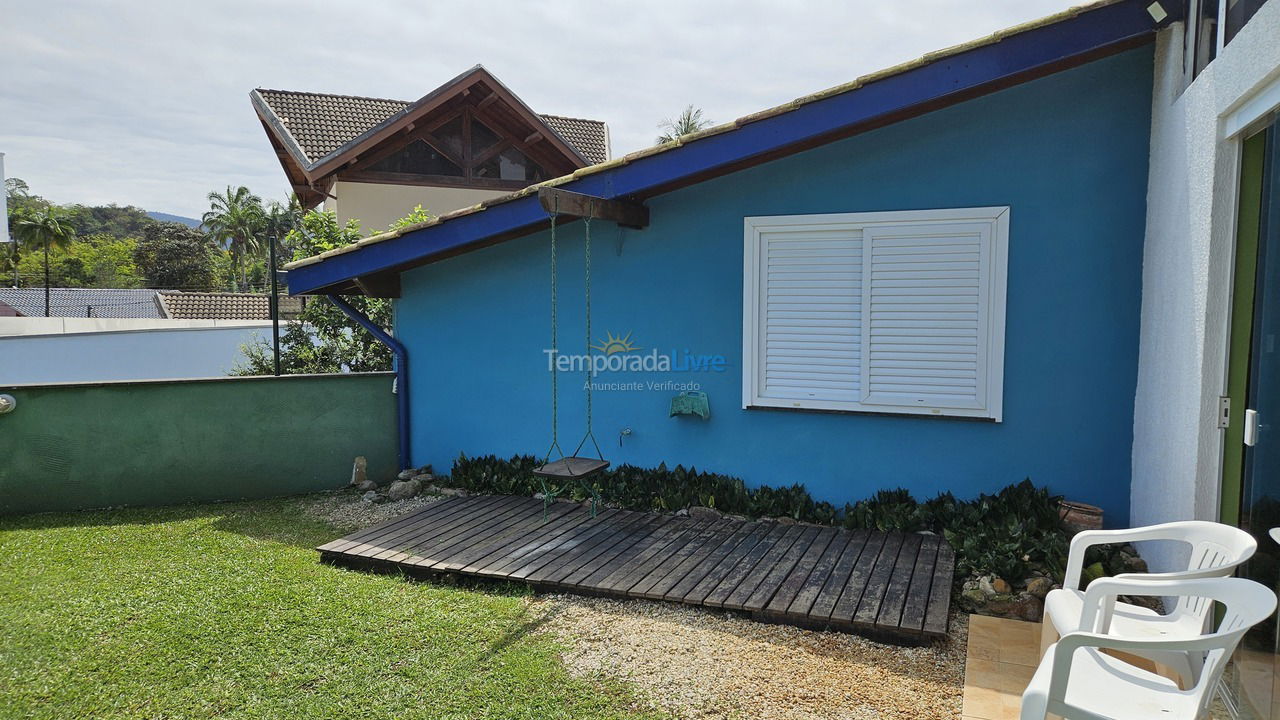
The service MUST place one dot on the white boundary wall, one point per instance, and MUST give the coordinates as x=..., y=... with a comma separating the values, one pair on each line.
x=166, y=352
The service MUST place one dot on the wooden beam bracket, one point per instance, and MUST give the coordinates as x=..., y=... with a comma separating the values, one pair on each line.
x=626, y=213
x=380, y=285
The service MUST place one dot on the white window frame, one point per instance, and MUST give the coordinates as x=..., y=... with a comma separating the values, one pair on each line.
x=992, y=298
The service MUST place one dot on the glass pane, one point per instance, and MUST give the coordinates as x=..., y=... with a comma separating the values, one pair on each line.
x=511, y=164
x=482, y=138
x=450, y=137
x=1255, y=660
x=417, y=158
x=1238, y=13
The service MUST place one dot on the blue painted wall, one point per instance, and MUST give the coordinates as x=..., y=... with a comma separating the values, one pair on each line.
x=1068, y=153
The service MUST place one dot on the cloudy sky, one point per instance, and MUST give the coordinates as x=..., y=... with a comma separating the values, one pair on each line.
x=146, y=102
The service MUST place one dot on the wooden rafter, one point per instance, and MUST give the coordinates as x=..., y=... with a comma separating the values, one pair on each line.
x=624, y=212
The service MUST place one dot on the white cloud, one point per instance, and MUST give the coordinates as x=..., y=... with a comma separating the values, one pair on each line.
x=146, y=103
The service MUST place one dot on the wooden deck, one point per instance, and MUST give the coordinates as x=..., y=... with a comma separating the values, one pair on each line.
x=895, y=586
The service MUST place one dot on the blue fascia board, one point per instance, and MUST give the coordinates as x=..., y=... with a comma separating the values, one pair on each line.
x=1090, y=32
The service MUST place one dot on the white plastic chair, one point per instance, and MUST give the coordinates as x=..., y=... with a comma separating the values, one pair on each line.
x=1216, y=551
x=1078, y=681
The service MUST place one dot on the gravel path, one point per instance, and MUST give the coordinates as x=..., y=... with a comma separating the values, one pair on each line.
x=345, y=510
x=703, y=664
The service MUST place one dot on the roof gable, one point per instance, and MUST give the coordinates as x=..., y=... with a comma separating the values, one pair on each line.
x=316, y=134
x=935, y=81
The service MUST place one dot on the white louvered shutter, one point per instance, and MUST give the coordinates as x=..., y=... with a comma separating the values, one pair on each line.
x=889, y=312
x=926, y=330
x=810, y=315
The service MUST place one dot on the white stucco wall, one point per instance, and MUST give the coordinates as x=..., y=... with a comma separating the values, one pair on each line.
x=377, y=205
x=124, y=354
x=1186, y=278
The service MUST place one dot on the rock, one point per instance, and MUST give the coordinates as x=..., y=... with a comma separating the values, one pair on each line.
x=1029, y=607
x=425, y=470
x=1039, y=586
x=743, y=518
x=406, y=474
x=682, y=512
x=424, y=478
x=973, y=599
x=367, y=485
x=536, y=496
x=1001, y=586
x=451, y=492
x=373, y=497
x=698, y=512
x=1134, y=563
x=403, y=489
x=784, y=520
x=986, y=584
x=359, y=471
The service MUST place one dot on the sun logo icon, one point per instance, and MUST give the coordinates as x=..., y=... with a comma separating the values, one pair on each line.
x=615, y=344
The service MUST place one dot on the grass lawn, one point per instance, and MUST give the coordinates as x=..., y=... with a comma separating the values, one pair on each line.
x=224, y=611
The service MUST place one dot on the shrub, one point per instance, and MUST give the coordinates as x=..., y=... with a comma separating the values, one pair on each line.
x=1012, y=534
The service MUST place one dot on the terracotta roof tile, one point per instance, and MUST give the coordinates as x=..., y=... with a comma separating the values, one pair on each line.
x=225, y=306
x=321, y=123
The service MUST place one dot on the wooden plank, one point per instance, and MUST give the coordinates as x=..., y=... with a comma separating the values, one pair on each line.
x=849, y=592
x=432, y=547
x=720, y=563
x=878, y=581
x=379, y=543
x=757, y=580
x=661, y=578
x=622, y=541
x=921, y=581
x=426, y=541
x=744, y=564
x=436, y=508
x=805, y=566
x=392, y=545
x=673, y=536
x=895, y=595
x=935, y=619
x=808, y=594
x=496, y=534
x=562, y=553
x=524, y=558
x=602, y=539
x=564, y=202
x=527, y=542
x=445, y=545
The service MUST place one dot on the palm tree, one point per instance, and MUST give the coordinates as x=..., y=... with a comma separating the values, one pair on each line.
x=280, y=219
x=235, y=218
x=45, y=227
x=689, y=121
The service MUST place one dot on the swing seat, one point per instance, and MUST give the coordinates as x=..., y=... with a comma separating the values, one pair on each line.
x=571, y=468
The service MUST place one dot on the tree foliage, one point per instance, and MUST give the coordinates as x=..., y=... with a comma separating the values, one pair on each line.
x=172, y=255
x=94, y=261
x=689, y=121
x=237, y=219
x=323, y=339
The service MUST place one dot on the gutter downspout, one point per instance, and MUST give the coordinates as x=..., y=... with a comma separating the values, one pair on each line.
x=402, y=372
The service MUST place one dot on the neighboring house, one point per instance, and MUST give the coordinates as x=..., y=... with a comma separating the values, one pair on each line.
x=375, y=160
x=7, y=310
x=1050, y=253
x=83, y=302
x=225, y=306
